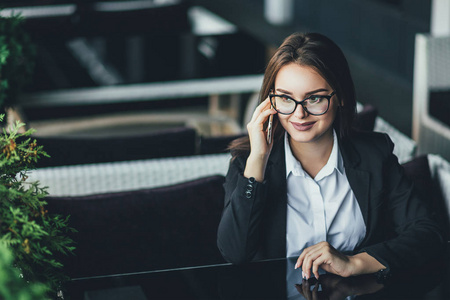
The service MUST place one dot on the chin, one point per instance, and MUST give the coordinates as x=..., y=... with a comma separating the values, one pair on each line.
x=302, y=138
x=309, y=136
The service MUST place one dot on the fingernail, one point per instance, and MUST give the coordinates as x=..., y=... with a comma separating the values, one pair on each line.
x=303, y=275
x=296, y=266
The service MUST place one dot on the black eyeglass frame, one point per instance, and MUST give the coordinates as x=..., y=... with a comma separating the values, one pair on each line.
x=328, y=97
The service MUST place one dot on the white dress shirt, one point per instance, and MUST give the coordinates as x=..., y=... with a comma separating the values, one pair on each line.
x=323, y=208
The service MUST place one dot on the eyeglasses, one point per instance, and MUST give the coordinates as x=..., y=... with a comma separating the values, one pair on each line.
x=315, y=105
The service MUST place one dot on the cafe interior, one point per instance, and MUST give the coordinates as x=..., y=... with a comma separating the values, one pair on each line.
x=136, y=102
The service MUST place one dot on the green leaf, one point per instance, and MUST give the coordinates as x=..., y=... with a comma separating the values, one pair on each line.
x=34, y=237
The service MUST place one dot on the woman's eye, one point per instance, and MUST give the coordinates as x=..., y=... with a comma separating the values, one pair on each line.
x=315, y=99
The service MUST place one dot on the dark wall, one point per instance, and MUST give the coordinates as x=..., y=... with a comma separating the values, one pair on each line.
x=377, y=37
x=381, y=31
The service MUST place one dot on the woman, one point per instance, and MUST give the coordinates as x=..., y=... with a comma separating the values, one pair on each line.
x=320, y=191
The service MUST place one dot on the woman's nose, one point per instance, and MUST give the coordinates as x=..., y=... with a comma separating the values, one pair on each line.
x=300, y=112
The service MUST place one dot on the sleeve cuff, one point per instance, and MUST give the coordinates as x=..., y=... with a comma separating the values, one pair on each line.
x=384, y=274
x=249, y=187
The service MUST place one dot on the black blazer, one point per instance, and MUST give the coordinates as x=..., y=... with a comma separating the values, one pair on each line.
x=399, y=230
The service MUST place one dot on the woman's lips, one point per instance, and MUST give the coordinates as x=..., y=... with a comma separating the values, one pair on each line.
x=303, y=126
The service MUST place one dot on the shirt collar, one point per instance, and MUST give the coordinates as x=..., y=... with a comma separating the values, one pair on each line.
x=293, y=166
x=334, y=162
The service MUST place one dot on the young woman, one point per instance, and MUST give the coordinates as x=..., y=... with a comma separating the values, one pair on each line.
x=335, y=198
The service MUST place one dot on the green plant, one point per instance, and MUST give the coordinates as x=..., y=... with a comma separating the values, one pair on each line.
x=12, y=286
x=34, y=235
x=16, y=58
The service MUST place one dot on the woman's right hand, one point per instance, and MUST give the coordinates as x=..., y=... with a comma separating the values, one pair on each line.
x=259, y=149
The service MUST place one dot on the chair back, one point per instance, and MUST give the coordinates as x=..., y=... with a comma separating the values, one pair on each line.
x=168, y=227
x=87, y=150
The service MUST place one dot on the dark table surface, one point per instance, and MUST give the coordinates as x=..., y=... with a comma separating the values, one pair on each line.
x=271, y=279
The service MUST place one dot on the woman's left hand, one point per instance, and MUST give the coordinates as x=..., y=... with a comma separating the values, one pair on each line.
x=323, y=255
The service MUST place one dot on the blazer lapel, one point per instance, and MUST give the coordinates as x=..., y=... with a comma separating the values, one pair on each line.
x=277, y=196
x=358, y=179
x=359, y=182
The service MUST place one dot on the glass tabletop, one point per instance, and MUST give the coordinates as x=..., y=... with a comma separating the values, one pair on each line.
x=270, y=279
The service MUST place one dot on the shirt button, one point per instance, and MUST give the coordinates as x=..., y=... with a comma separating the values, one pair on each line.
x=249, y=187
x=248, y=194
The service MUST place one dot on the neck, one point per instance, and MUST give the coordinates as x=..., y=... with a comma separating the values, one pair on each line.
x=314, y=155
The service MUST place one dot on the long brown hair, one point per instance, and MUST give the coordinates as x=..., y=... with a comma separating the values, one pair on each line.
x=323, y=55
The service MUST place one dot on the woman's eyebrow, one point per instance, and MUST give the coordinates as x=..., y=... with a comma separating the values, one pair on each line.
x=308, y=93
x=284, y=92
x=316, y=91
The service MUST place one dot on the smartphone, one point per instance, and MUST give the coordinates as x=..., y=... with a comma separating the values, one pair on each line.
x=269, y=130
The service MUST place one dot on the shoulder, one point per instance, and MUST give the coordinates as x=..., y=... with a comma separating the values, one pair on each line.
x=368, y=146
x=239, y=158
x=371, y=141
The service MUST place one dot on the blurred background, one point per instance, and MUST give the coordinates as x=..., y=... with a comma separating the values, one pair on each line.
x=136, y=101
x=114, y=67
